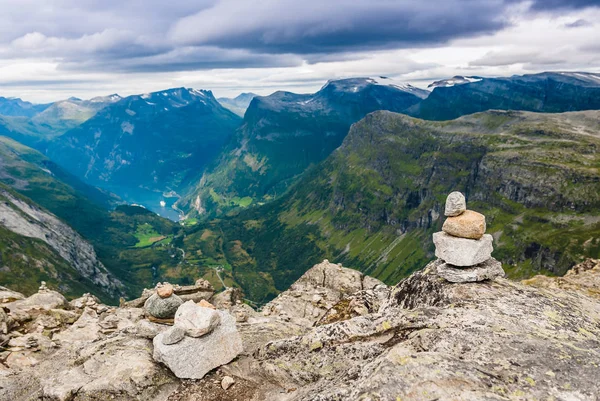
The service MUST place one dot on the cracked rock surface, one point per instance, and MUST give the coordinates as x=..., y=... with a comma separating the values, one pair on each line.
x=423, y=339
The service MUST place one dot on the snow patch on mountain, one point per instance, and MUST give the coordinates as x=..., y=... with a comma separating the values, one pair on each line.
x=456, y=80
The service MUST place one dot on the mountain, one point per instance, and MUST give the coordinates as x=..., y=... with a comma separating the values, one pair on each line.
x=134, y=245
x=56, y=119
x=15, y=107
x=548, y=92
x=144, y=145
x=36, y=246
x=238, y=104
x=374, y=203
x=284, y=133
x=67, y=114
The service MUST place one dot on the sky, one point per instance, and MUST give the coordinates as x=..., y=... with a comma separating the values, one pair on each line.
x=54, y=49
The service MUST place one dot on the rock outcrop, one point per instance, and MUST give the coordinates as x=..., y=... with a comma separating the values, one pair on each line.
x=319, y=290
x=423, y=339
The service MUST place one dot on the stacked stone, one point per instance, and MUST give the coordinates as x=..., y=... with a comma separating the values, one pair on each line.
x=464, y=246
x=201, y=339
x=162, y=305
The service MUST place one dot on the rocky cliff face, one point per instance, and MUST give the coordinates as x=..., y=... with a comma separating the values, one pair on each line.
x=28, y=220
x=423, y=339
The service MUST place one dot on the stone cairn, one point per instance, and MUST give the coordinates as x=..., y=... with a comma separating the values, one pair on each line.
x=463, y=245
x=162, y=305
x=201, y=339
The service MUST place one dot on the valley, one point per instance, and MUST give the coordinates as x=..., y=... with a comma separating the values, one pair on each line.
x=347, y=173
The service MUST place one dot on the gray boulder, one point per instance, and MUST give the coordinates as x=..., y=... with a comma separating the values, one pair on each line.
x=192, y=358
x=163, y=308
x=462, y=251
x=488, y=270
x=196, y=320
x=455, y=204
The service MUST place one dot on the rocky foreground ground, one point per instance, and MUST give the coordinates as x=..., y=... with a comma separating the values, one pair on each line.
x=334, y=335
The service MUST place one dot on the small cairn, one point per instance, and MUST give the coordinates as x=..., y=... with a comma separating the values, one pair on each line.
x=163, y=304
x=464, y=246
x=201, y=339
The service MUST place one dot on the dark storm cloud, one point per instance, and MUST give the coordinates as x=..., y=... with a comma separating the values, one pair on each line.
x=158, y=35
x=564, y=4
x=335, y=26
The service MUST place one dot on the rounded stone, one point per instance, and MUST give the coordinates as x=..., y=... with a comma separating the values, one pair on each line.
x=165, y=290
x=173, y=335
x=455, y=204
x=227, y=382
x=469, y=224
x=162, y=308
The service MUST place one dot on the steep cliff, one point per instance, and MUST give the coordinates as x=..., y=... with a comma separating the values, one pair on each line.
x=60, y=255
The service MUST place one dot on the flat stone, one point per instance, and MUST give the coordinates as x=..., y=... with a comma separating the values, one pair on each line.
x=165, y=290
x=469, y=224
x=488, y=270
x=196, y=320
x=162, y=308
x=192, y=358
x=462, y=251
x=173, y=335
x=455, y=204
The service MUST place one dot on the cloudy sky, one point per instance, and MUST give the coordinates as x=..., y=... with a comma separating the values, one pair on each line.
x=53, y=49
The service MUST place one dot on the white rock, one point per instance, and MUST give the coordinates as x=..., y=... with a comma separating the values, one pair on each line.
x=488, y=270
x=462, y=251
x=192, y=358
x=196, y=320
x=173, y=335
x=227, y=382
x=455, y=204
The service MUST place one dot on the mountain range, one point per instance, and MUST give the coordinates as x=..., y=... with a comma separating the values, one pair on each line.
x=355, y=172
x=284, y=133
x=143, y=146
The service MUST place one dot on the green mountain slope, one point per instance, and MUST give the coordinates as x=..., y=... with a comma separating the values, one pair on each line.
x=374, y=203
x=117, y=236
x=35, y=246
x=283, y=134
